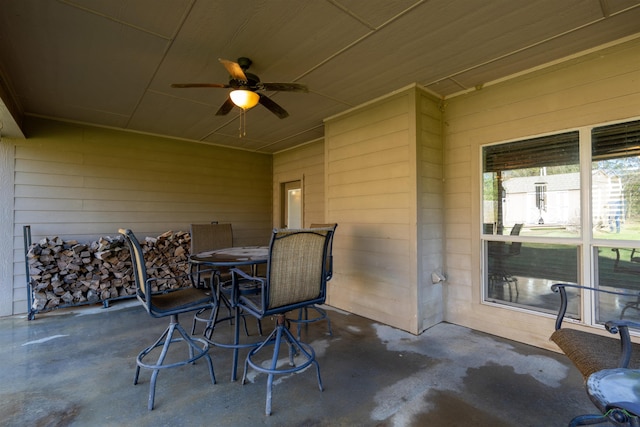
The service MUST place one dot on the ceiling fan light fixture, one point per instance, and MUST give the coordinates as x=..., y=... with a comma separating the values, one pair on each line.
x=244, y=99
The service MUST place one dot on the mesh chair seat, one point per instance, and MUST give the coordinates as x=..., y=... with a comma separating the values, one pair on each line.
x=180, y=300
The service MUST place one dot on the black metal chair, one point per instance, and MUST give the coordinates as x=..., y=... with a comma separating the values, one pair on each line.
x=169, y=304
x=606, y=362
x=207, y=237
x=296, y=278
x=321, y=314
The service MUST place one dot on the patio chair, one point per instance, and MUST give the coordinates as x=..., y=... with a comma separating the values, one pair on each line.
x=207, y=237
x=605, y=362
x=303, y=313
x=296, y=278
x=168, y=304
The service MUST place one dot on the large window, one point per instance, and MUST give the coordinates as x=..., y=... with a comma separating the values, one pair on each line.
x=615, y=206
x=534, y=228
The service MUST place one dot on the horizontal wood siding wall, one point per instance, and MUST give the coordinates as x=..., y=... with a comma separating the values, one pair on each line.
x=305, y=163
x=7, y=150
x=81, y=182
x=371, y=193
x=430, y=212
x=596, y=88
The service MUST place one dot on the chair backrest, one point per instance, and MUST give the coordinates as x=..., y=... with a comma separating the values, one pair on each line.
x=514, y=248
x=143, y=289
x=296, y=269
x=515, y=231
x=207, y=237
x=329, y=266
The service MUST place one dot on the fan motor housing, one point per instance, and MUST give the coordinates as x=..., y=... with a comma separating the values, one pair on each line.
x=251, y=82
x=244, y=63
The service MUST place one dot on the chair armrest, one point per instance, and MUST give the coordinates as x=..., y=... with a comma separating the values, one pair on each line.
x=562, y=310
x=621, y=327
x=244, y=277
x=244, y=274
x=561, y=289
x=195, y=270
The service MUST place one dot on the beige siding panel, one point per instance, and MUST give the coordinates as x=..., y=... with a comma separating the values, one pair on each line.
x=458, y=246
x=459, y=184
x=563, y=94
x=368, y=305
x=457, y=262
x=571, y=77
x=82, y=182
x=458, y=157
x=597, y=88
x=380, y=134
x=377, y=158
x=377, y=114
x=430, y=247
x=7, y=245
x=383, y=186
x=391, y=154
x=370, y=176
x=364, y=148
x=369, y=217
x=460, y=200
x=459, y=230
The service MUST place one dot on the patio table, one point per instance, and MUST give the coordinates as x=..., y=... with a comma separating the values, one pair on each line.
x=227, y=258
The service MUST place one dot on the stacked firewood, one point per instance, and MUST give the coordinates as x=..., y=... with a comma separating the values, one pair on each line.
x=66, y=273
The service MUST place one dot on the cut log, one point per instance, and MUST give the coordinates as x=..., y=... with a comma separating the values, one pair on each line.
x=67, y=272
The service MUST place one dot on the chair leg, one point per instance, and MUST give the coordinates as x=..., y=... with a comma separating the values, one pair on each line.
x=198, y=317
x=295, y=347
x=165, y=340
x=303, y=318
x=212, y=319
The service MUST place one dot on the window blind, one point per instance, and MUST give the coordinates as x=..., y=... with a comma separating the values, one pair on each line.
x=619, y=140
x=552, y=150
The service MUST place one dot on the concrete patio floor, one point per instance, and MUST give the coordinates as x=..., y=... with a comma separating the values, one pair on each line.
x=76, y=367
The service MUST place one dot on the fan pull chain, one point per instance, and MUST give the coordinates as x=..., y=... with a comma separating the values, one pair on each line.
x=243, y=123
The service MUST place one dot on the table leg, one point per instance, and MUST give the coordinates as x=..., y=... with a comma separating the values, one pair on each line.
x=236, y=342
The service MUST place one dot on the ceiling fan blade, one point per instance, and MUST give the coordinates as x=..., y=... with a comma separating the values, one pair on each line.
x=233, y=69
x=270, y=105
x=284, y=87
x=225, y=108
x=183, y=85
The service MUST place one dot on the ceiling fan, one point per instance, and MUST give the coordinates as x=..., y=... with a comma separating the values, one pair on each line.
x=245, y=89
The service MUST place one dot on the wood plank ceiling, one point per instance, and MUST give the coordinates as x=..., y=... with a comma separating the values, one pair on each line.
x=111, y=62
